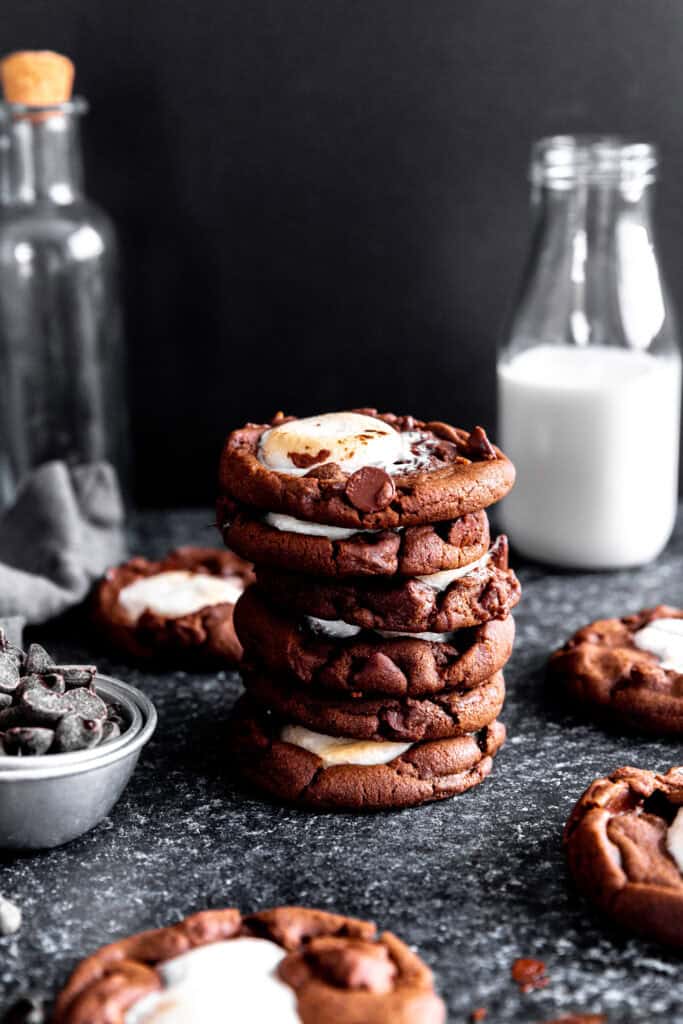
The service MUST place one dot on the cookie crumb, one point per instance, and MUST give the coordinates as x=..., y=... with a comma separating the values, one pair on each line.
x=10, y=917
x=529, y=974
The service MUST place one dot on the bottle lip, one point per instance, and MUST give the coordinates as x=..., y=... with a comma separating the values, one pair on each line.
x=562, y=161
x=77, y=106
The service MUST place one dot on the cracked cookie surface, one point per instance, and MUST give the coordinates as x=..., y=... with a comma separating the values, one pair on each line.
x=431, y=770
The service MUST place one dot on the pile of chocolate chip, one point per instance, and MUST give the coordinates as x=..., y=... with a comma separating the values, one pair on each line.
x=46, y=708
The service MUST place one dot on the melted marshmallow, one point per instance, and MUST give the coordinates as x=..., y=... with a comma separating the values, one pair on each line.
x=664, y=638
x=343, y=630
x=674, y=839
x=350, y=439
x=291, y=525
x=235, y=980
x=343, y=749
x=441, y=580
x=173, y=594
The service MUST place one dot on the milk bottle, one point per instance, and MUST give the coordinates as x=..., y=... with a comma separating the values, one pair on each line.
x=589, y=382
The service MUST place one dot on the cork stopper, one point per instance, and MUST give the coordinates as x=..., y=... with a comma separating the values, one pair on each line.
x=37, y=78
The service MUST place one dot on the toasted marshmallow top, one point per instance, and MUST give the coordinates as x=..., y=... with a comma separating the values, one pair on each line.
x=177, y=593
x=674, y=839
x=663, y=637
x=347, y=438
x=234, y=980
x=343, y=749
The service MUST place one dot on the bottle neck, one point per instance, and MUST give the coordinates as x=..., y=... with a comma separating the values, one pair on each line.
x=43, y=159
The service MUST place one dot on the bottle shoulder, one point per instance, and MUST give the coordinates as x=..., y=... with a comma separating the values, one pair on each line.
x=81, y=228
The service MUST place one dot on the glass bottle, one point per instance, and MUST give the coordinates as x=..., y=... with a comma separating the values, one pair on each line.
x=62, y=393
x=589, y=379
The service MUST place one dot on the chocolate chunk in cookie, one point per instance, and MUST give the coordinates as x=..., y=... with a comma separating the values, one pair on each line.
x=624, y=844
x=628, y=671
x=178, y=609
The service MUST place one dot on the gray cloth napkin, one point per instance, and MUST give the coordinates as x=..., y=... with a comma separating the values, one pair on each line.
x=64, y=529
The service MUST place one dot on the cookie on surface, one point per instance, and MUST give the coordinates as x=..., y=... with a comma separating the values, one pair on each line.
x=440, y=716
x=303, y=766
x=628, y=670
x=285, y=965
x=295, y=545
x=363, y=661
x=440, y=602
x=363, y=469
x=624, y=845
x=179, y=608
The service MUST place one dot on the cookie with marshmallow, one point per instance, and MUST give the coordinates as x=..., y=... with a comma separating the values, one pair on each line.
x=437, y=603
x=305, y=766
x=296, y=545
x=624, y=846
x=378, y=718
x=627, y=671
x=340, y=659
x=362, y=470
x=178, y=609
x=289, y=965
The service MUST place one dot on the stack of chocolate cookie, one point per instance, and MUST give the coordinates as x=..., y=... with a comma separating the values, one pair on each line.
x=379, y=624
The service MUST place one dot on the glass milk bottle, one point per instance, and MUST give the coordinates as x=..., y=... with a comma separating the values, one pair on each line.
x=589, y=379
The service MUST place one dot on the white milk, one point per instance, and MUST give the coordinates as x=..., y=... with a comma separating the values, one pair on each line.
x=594, y=435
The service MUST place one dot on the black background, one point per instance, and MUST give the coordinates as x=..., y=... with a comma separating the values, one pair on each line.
x=324, y=202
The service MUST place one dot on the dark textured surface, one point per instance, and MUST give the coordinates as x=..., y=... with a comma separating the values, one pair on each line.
x=473, y=883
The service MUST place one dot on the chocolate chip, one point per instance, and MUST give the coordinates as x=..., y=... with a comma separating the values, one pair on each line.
x=479, y=445
x=76, y=675
x=76, y=733
x=370, y=489
x=27, y=741
x=39, y=706
x=9, y=672
x=37, y=660
x=85, y=703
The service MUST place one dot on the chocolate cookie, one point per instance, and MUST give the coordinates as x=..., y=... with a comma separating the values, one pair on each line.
x=628, y=670
x=432, y=473
x=424, y=772
x=487, y=592
x=288, y=964
x=624, y=844
x=187, y=615
x=368, y=663
x=453, y=713
x=412, y=551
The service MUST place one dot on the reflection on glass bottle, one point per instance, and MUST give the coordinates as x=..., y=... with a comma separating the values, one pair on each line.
x=62, y=393
x=589, y=379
